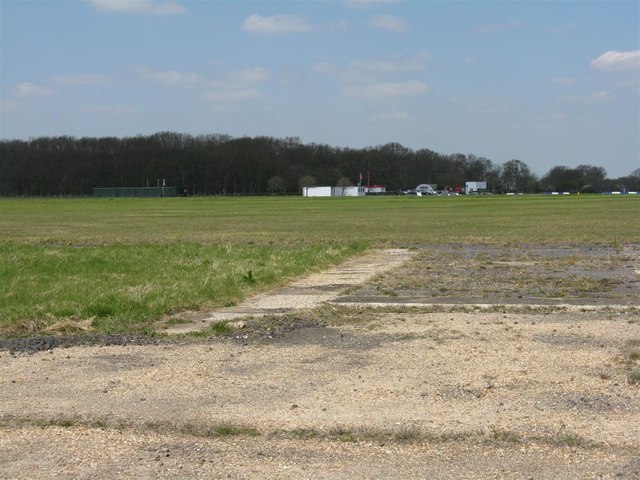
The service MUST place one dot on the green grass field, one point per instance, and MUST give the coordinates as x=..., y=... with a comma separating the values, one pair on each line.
x=118, y=265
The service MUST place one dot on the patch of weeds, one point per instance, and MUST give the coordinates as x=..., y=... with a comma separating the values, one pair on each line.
x=303, y=433
x=351, y=290
x=631, y=361
x=406, y=336
x=206, y=431
x=390, y=293
x=65, y=422
x=228, y=430
x=408, y=434
x=176, y=321
x=568, y=439
x=100, y=424
x=148, y=332
x=62, y=422
x=220, y=328
x=248, y=277
x=69, y=326
x=100, y=310
x=633, y=377
x=604, y=375
x=504, y=436
x=343, y=435
x=498, y=308
x=40, y=423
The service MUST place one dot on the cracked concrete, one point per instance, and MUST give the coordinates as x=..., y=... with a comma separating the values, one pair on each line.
x=308, y=292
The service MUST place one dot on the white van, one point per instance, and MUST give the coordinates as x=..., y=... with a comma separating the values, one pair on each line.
x=425, y=189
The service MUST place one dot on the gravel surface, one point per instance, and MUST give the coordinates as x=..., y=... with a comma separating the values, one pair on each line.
x=348, y=392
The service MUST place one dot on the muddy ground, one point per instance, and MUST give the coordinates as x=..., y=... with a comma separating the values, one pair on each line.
x=517, y=371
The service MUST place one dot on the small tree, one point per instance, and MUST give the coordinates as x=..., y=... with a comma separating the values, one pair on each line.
x=516, y=176
x=345, y=182
x=306, y=181
x=276, y=184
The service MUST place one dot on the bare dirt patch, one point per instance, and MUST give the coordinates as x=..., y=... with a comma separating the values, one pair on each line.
x=530, y=274
x=339, y=391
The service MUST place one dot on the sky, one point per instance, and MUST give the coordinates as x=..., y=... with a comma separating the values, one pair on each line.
x=545, y=82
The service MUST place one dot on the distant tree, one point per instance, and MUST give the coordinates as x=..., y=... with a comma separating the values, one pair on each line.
x=493, y=178
x=517, y=177
x=560, y=178
x=635, y=173
x=223, y=165
x=344, y=182
x=307, y=181
x=591, y=178
x=276, y=184
x=584, y=178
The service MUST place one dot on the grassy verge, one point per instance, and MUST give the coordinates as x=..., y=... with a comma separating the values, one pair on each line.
x=295, y=220
x=123, y=288
x=117, y=265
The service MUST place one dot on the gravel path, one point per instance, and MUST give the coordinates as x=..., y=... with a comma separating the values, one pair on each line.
x=447, y=392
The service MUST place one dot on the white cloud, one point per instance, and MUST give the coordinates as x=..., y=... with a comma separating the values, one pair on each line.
x=29, y=89
x=613, y=61
x=250, y=75
x=247, y=77
x=627, y=83
x=389, y=22
x=233, y=95
x=417, y=62
x=275, y=25
x=323, y=68
x=392, y=117
x=563, y=28
x=499, y=27
x=338, y=25
x=385, y=89
x=601, y=96
x=112, y=110
x=370, y=72
x=9, y=106
x=367, y=3
x=171, y=78
x=80, y=80
x=487, y=106
x=150, y=7
x=565, y=81
x=237, y=86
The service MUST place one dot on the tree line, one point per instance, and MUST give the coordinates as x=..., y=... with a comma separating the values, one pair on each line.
x=223, y=165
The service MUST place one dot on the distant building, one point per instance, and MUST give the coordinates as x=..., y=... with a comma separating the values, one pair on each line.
x=333, y=191
x=475, y=187
x=375, y=189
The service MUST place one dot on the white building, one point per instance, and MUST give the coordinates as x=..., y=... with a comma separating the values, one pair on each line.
x=475, y=187
x=333, y=192
x=375, y=189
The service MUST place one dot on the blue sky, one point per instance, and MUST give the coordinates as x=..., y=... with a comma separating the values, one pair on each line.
x=549, y=83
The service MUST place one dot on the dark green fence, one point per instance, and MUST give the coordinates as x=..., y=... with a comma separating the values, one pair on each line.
x=136, y=192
